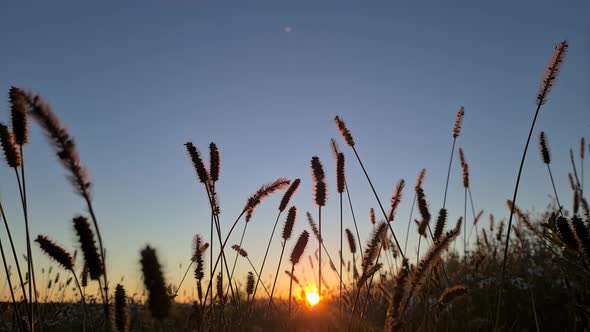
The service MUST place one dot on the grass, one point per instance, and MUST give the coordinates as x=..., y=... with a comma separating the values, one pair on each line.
x=511, y=276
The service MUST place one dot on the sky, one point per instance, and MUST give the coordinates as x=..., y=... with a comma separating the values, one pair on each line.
x=263, y=80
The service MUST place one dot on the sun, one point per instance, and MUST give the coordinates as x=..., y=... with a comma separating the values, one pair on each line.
x=313, y=297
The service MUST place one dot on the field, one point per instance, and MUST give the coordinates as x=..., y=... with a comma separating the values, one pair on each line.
x=527, y=272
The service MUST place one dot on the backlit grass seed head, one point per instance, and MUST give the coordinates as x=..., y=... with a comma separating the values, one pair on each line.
x=313, y=225
x=121, y=314
x=420, y=178
x=289, y=222
x=289, y=194
x=198, y=163
x=433, y=255
x=299, y=247
x=11, y=153
x=373, y=245
x=240, y=250
x=522, y=217
x=452, y=293
x=583, y=235
x=214, y=161
x=63, y=145
x=18, y=111
x=335, y=148
x=346, y=135
x=396, y=199
x=465, y=168
x=423, y=206
x=158, y=299
x=552, y=71
x=199, y=247
x=571, y=181
x=440, y=224
x=263, y=192
x=340, y=173
x=318, y=175
x=351, y=241
x=500, y=232
x=88, y=246
x=55, y=251
x=84, y=275
x=219, y=287
x=392, y=319
x=368, y=274
x=478, y=217
x=582, y=147
x=565, y=232
x=198, y=254
x=458, y=122
x=545, y=155
x=250, y=283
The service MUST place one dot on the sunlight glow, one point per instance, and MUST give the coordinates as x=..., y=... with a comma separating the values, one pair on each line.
x=313, y=297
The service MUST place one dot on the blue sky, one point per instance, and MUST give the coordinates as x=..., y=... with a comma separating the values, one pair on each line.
x=264, y=80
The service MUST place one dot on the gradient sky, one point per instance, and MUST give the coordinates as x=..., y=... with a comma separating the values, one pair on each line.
x=264, y=79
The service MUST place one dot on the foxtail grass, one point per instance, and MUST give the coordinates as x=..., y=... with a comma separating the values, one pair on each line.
x=418, y=184
x=242, y=252
x=370, y=256
x=12, y=147
x=291, y=215
x=320, y=193
x=286, y=235
x=252, y=202
x=347, y=136
x=465, y=172
x=456, y=132
x=65, y=260
x=340, y=180
x=121, y=311
x=427, y=263
x=546, y=157
x=65, y=149
x=296, y=254
x=249, y=285
x=158, y=299
x=547, y=83
x=451, y=294
x=394, y=310
x=336, y=151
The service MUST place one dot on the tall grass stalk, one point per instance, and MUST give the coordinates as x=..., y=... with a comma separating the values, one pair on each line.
x=65, y=149
x=456, y=133
x=31, y=267
x=546, y=85
x=274, y=283
x=350, y=142
x=295, y=258
x=15, y=256
x=14, y=302
x=336, y=151
x=340, y=179
x=288, y=224
x=546, y=157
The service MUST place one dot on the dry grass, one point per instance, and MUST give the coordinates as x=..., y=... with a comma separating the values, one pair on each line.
x=548, y=259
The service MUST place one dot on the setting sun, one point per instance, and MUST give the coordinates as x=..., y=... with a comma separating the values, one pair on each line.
x=313, y=297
